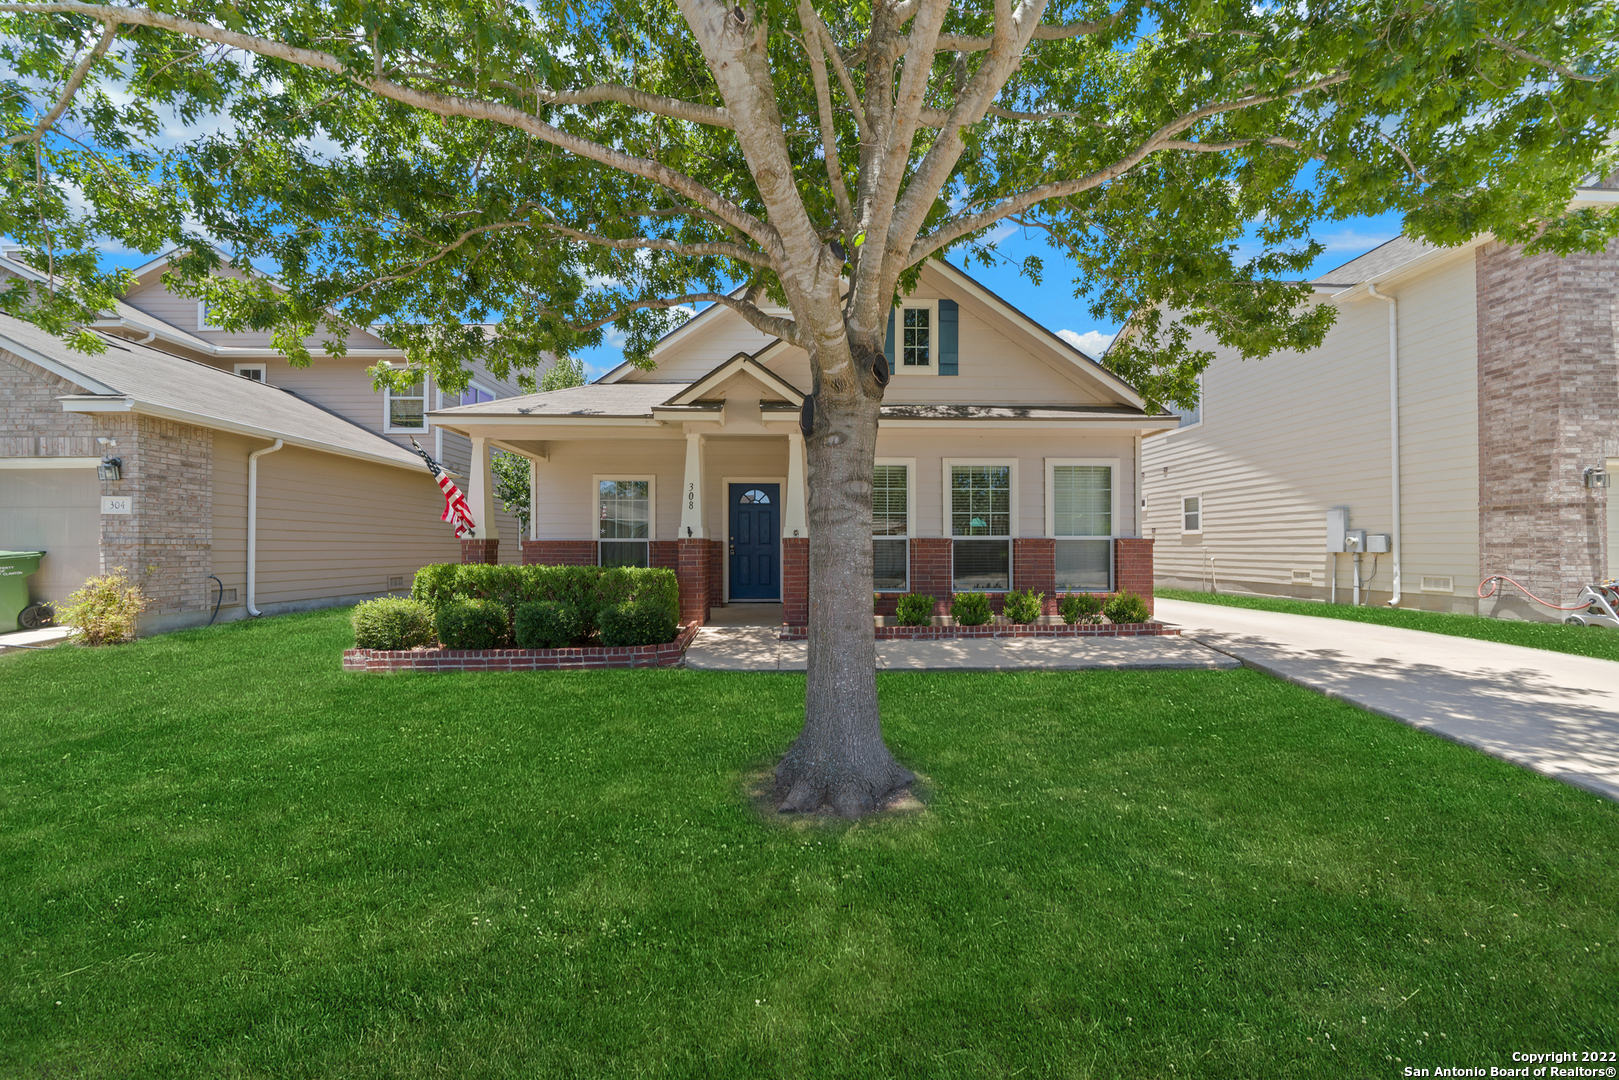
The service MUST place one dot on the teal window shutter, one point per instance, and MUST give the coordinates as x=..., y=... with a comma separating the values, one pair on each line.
x=949, y=326
x=888, y=347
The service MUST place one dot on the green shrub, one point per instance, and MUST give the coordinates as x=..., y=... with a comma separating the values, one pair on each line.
x=1126, y=607
x=647, y=621
x=103, y=610
x=546, y=624
x=1023, y=607
x=915, y=609
x=1080, y=608
x=471, y=624
x=392, y=622
x=487, y=581
x=971, y=609
x=435, y=584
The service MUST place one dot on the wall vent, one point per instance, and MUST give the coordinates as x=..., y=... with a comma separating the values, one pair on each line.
x=228, y=597
x=1303, y=577
x=1434, y=583
x=396, y=582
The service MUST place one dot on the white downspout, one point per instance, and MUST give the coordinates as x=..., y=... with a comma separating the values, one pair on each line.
x=253, y=522
x=1394, y=429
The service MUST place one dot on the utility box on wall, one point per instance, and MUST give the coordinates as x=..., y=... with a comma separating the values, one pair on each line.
x=1337, y=528
x=1379, y=544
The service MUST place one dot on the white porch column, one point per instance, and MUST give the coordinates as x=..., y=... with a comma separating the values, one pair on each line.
x=691, y=491
x=481, y=491
x=794, y=520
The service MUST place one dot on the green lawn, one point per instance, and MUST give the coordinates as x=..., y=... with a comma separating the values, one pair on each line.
x=1600, y=642
x=220, y=856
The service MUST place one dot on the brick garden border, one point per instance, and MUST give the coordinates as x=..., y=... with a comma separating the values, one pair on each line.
x=665, y=655
x=1005, y=630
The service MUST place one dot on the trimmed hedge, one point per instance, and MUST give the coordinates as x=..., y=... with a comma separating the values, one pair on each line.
x=546, y=624
x=971, y=609
x=472, y=624
x=392, y=622
x=1080, y=608
x=647, y=621
x=915, y=609
x=584, y=591
x=1022, y=606
x=1126, y=607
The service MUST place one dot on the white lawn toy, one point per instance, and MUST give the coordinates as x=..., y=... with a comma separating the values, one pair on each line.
x=1602, y=605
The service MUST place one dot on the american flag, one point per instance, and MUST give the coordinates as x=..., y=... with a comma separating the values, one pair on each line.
x=456, y=511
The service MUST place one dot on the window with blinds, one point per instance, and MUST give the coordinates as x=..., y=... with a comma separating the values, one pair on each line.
x=890, y=526
x=1082, y=523
x=981, y=509
x=624, y=513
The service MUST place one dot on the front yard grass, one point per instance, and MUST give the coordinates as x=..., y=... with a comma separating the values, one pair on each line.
x=221, y=856
x=1595, y=641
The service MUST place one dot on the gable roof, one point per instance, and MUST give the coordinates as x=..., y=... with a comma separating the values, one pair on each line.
x=740, y=364
x=136, y=378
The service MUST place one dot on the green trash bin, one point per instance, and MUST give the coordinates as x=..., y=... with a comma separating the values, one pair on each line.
x=15, y=566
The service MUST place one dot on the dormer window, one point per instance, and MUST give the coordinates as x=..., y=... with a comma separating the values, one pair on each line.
x=202, y=317
x=916, y=337
x=256, y=372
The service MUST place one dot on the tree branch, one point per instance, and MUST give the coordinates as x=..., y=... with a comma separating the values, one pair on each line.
x=1012, y=204
x=109, y=31
x=1043, y=32
x=675, y=109
x=441, y=104
x=654, y=243
x=809, y=21
x=774, y=325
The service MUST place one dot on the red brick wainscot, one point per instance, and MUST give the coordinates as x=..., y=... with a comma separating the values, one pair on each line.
x=1005, y=630
x=666, y=655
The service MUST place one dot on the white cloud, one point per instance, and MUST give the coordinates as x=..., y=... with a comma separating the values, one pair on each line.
x=1093, y=343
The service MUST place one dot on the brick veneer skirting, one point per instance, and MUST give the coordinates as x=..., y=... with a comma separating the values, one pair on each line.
x=795, y=580
x=1132, y=567
x=1005, y=630
x=666, y=655
x=559, y=552
x=480, y=551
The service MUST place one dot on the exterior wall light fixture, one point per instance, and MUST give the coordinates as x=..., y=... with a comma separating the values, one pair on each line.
x=1596, y=477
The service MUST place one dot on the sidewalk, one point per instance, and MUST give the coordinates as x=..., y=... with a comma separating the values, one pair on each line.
x=1551, y=712
x=759, y=648
x=51, y=635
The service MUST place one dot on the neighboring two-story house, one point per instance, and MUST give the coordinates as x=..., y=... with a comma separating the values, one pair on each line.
x=1465, y=406
x=1005, y=459
x=242, y=480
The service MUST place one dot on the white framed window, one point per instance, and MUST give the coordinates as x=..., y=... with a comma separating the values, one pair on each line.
x=1191, y=513
x=256, y=372
x=202, y=317
x=624, y=508
x=916, y=338
x=980, y=517
x=1082, y=505
x=405, y=410
x=893, y=504
x=474, y=394
x=1193, y=417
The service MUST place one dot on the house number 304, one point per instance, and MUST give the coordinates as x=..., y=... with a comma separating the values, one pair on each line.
x=691, y=496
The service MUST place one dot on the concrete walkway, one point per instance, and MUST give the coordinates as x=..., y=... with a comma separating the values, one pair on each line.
x=759, y=648
x=18, y=641
x=1551, y=712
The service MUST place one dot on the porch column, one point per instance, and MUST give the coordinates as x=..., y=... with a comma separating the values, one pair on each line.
x=691, y=492
x=484, y=544
x=1132, y=566
x=794, y=539
x=794, y=519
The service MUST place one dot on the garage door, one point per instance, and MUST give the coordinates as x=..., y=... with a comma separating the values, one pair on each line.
x=57, y=511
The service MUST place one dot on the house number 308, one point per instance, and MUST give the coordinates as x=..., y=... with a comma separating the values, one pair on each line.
x=691, y=496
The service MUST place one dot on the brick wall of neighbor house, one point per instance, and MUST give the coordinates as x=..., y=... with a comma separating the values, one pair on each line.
x=1034, y=569
x=559, y=552
x=32, y=423
x=1548, y=408
x=1132, y=567
x=167, y=543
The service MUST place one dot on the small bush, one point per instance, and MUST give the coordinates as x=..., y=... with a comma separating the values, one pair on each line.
x=392, y=622
x=915, y=609
x=1023, y=607
x=103, y=610
x=971, y=609
x=471, y=624
x=546, y=624
x=647, y=621
x=1080, y=608
x=1126, y=607
x=435, y=585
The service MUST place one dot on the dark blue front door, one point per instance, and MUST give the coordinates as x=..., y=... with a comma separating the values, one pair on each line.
x=755, y=541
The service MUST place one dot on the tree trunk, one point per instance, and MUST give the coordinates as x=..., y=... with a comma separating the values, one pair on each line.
x=839, y=760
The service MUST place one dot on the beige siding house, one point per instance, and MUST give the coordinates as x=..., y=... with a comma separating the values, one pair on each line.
x=1487, y=457
x=340, y=508
x=1005, y=459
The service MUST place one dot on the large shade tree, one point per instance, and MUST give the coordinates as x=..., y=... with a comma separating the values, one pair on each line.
x=556, y=168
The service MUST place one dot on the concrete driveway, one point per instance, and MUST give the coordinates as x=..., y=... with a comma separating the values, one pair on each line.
x=1551, y=712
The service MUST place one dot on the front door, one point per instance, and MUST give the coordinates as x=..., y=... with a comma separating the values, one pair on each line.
x=755, y=541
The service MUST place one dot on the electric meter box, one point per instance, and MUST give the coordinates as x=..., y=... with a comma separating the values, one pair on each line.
x=1337, y=527
x=1379, y=544
x=1355, y=540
